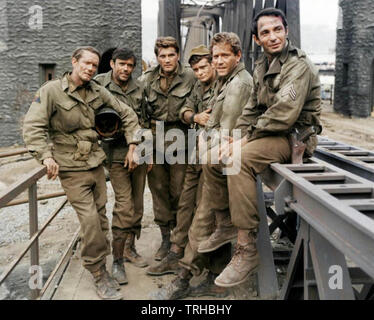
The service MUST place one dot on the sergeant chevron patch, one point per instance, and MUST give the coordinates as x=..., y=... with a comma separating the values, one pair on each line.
x=289, y=90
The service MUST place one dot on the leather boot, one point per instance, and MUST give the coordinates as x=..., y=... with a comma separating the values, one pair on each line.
x=167, y=265
x=165, y=244
x=243, y=263
x=130, y=253
x=118, y=267
x=208, y=288
x=104, y=285
x=177, y=289
x=225, y=232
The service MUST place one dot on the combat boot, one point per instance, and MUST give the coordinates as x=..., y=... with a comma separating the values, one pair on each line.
x=225, y=232
x=243, y=263
x=165, y=244
x=118, y=268
x=169, y=264
x=177, y=289
x=130, y=253
x=104, y=285
x=208, y=288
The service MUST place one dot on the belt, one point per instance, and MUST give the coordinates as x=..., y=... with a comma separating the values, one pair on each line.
x=73, y=147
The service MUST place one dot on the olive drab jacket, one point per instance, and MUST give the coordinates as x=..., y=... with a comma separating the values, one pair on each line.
x=231, y=94
x=199, y=100
x=166, y=106
x=68, y=120
x=286, y=95
x=134, y=97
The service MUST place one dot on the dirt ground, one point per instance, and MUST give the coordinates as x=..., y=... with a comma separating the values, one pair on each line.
x=14, y=225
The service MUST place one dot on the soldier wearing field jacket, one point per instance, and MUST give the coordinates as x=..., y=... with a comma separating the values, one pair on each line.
x=63, y=111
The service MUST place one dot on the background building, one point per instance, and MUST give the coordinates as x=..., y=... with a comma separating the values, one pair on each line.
x=354, y=78
x=38, y=37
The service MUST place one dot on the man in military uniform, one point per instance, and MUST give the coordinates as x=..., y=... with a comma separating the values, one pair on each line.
x=64, y=111
x=231, y=92
x=128, y=185
x=286, y=96
x=196, y=113
x=166, y=87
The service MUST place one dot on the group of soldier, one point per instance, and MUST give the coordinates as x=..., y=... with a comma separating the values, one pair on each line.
x=200, y=209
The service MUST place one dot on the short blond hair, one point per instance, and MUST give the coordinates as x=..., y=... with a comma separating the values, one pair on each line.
x=77, y=54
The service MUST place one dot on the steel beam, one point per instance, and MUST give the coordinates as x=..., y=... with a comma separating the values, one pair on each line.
x=192, y=11
x=347, y=229
x=346, y=157
x=169, y=16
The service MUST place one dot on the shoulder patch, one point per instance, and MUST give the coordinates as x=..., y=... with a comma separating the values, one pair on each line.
x=290, y=91
x=36, y=98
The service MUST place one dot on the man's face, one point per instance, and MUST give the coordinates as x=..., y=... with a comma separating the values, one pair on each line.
x=168, y=59
x=122, y=69
x=85, y=68
x=224, y=59
x=272, y=34
x=203, y=70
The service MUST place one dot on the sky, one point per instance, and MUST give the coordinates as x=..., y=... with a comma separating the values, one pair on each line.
x=318, y=18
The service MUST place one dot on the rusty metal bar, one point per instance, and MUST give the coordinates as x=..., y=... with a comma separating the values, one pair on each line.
x=16, y=188
x=55, y=277
x=42, y=197
x=13, y=153
x=11, y=267
x=33, y=225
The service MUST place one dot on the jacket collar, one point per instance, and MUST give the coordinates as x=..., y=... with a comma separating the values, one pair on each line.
x=92, y=92
x=177, y=79
x=276, y=65
x=222, y=82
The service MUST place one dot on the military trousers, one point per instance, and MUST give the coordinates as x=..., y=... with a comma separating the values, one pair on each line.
x=128, y=208
x=188, y=202
x=87, y=193
x=256, y=156
x=214, y=198
x=165, y=182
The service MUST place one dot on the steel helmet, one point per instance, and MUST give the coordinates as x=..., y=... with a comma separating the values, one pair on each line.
x=107, y=122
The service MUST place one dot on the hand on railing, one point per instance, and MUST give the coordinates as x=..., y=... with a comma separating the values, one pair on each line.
x=52, y=168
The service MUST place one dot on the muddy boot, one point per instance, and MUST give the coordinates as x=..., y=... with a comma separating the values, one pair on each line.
x=165, y=244
x=177, y=289
x=208, y=288
x=169, y=264
x=225, y=232
x=244, y=262
x=130, y=253
x=118, y=268
x=104, y=285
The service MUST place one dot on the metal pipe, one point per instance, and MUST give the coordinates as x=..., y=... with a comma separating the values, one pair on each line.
x=6, y=272
x=41, y=197
x=33, y=226
x=13, y=153
x=19, y=186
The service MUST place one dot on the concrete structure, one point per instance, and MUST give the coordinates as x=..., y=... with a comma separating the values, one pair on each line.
x=354, y=79
x=38, y=37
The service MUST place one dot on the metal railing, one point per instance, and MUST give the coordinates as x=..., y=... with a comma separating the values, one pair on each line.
x=30, y=183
